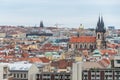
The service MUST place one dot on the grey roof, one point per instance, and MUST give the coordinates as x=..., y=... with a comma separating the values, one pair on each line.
x=19, y=67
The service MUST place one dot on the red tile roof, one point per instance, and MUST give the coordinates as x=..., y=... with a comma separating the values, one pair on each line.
x=50, y=47
x=110, y=52
x=2, y=49
x=44, y=60
x=112, y=45
x=104, y=62
x=62, y=64
x=34, y=59
x=47, y=45
x=83, y=39
x=25, y=55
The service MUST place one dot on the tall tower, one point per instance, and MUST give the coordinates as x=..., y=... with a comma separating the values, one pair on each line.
x=80, y=31
x=41, y=24
x=100, y=34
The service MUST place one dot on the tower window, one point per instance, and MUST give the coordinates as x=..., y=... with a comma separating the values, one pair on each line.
x=98, y=36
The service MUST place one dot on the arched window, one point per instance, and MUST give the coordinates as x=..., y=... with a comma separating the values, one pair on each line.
x=98, y=36
x=80, y=45
x=76, y=46
x=85, y=46
x=91, y=46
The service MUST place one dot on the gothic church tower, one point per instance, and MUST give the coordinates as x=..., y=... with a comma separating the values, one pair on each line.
x=100, y=34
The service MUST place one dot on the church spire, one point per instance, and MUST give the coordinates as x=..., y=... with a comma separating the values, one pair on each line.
x=102, y=22
x=100, y=25
x=41, y=24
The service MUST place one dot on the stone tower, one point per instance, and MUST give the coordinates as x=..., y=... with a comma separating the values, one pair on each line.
x=80, y=31
x=100, y=34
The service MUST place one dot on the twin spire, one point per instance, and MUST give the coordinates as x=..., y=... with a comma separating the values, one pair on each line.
x=41, y=24
x=100, y=25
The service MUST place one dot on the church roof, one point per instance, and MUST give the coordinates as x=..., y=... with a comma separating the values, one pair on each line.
x=83, y=39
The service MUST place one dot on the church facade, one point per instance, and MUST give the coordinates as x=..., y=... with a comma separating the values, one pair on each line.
x=82, y=42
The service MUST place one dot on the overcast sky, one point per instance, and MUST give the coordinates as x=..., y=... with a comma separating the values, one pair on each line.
x=70, y=13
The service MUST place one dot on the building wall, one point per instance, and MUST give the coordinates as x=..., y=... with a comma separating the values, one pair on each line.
x=2, y=35
x=53, y=76
x=19, y=75
x=117, y=61
x=4, y=73
x=1, y=72
x=19, y=35
x=82, y=46
x=77, y=71
x=101, y=74
x=32, y=71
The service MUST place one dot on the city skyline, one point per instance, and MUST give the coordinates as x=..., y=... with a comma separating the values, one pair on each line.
x=67, y=12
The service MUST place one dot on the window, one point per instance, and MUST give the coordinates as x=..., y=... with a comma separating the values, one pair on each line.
x=85, y=46
x=80, y=45
x=93, y=75
x=14, y=75
x=69, y=46
x=76, y=46
x=118, y=61
x=21, y=75
x=98, y=36
x=91, y=47
x=98, y=75
x=4, y=76
x=24, y=75
x=17, y=75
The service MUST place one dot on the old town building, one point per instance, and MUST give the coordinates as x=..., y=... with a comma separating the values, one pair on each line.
x=89, y=42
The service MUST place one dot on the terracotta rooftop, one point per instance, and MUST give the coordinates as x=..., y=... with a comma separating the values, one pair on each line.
x=62, y=64
x=89, y=65
x=25, y=55
x=109, y=52
x=104, y=62
x=83, y=39
x=34, y=59
x=112, y=45
x=44, y=60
